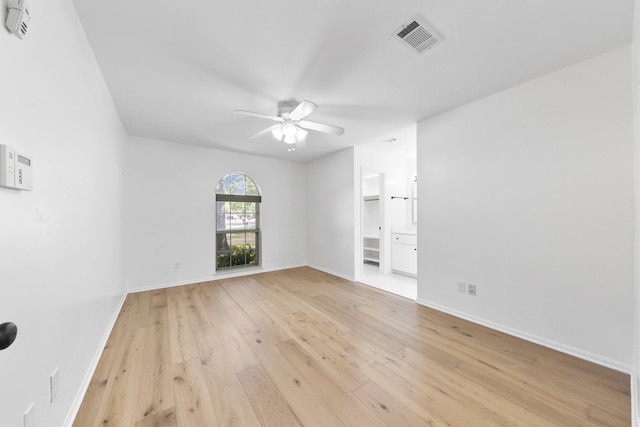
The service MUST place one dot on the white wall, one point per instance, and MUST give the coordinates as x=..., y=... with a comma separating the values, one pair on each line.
x=170, y=211
x=529, y=194
x=60, y=250
x=397, y=161
x=331, y=213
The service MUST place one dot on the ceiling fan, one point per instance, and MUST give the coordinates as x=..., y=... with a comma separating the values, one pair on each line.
x=291, y=128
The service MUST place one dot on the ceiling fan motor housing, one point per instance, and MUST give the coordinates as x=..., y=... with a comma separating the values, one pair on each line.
x=286, y=107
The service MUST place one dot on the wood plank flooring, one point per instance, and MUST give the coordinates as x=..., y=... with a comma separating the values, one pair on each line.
x=303, y=348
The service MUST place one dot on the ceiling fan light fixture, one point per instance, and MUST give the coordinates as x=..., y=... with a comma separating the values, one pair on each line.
x=289, y=129
x=292, y=127
x=301, y=134
x=277, y=133
x=289, y=133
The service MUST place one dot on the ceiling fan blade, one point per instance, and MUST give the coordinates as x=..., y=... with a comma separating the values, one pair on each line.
x=321, y=127
x=302, y=110
x=264, y=131
x=263, y=116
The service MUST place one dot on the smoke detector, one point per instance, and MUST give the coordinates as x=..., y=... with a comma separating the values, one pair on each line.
x=416, y=34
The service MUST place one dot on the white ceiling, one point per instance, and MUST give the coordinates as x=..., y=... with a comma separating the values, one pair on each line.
x=178, y=69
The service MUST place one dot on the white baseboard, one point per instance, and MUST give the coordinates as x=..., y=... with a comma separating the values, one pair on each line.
x=554, y=345
x=325, y=270
x=216, y=276
x=77, y=401
x=172, y=284
x=635, y=410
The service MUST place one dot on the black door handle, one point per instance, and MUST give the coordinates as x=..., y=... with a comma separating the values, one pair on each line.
x=8, y=333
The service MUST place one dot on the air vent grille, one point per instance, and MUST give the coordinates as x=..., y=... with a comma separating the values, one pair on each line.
x=418, y=35
x=408, y=29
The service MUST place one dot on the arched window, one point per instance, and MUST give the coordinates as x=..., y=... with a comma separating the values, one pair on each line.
x=237, y=222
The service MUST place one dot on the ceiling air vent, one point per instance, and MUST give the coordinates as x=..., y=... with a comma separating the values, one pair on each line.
x=418, y=35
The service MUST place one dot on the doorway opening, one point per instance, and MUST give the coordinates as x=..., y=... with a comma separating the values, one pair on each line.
x=372, y=220
x=380, y=219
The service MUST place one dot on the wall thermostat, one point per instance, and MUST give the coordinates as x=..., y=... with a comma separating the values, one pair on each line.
x=16, y=169
x=18, y=17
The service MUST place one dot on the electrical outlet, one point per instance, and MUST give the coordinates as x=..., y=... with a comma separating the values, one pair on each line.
x=472, y=289
x=54, y=382
x=176, y=265
x=462, y=287
x=30, y=416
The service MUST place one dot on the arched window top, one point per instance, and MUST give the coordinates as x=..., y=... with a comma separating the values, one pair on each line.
x=237, y=222
x=237, y=184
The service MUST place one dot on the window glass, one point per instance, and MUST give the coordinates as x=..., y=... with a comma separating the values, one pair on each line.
x=237, y=222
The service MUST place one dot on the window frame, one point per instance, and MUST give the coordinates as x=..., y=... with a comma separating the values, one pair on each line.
x=224, y=235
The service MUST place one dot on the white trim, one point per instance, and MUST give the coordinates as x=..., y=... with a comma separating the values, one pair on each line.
x=635, y=411
x=217, y=276
x=77, y=401
x=170, y=284
x=635, y=377
x=554, y=345
x=326, y=270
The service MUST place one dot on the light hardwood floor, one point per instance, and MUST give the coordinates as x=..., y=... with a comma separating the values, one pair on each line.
x=301, y=347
